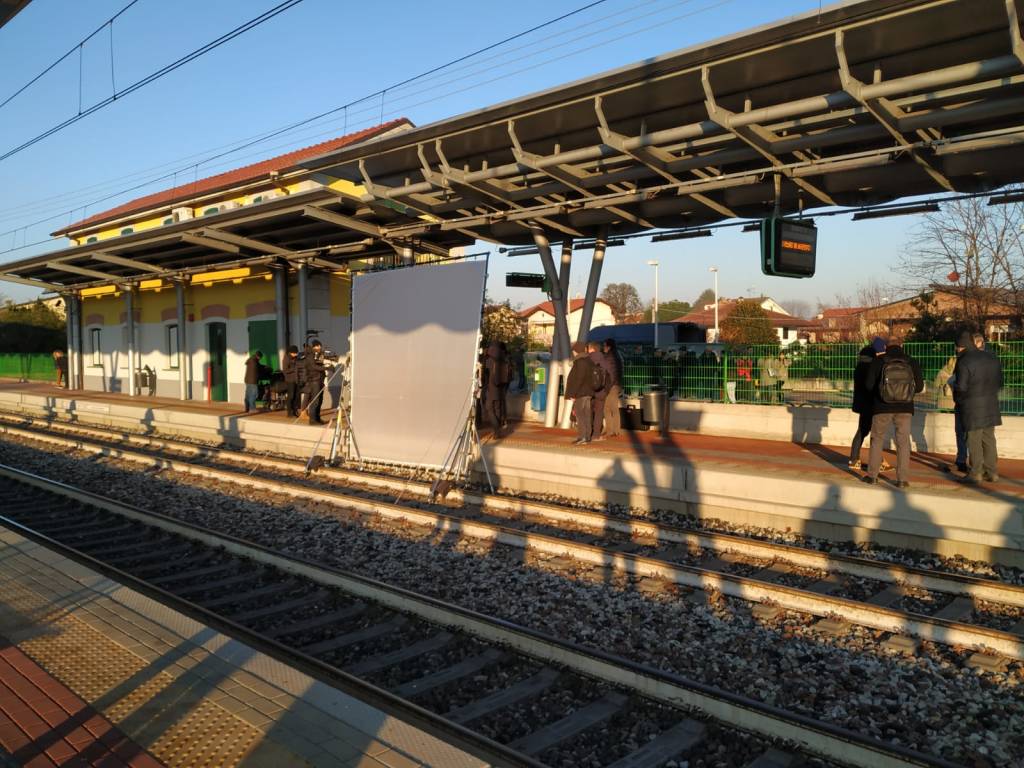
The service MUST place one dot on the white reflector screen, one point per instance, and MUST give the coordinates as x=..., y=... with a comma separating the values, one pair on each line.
x=414, y=348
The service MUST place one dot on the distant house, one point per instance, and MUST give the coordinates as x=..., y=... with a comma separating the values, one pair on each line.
x=789, y=328
x=899, y=318
x=540, y=319
x=839, y=324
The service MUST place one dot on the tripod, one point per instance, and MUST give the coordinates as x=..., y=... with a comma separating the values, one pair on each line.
x=460, y=458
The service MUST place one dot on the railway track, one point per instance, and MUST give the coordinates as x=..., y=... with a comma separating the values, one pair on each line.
x=509, y=693
x=911, y=603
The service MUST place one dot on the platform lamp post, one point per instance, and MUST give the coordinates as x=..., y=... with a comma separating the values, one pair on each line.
x=715, y=271
x=654, y=263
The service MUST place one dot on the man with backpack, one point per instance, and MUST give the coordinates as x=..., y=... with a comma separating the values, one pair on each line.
x=893, y=379
x=976, y=382
x=602, y=384
x=579, y=387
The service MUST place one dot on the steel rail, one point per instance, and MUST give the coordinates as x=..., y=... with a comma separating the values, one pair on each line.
x=956, y=584
x=823, y=739
x=460, y=736
x=887, y=619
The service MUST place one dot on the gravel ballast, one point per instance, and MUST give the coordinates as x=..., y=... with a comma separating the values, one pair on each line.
x=931, y=702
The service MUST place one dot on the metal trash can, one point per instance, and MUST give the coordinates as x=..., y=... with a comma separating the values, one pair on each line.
x=653, y=403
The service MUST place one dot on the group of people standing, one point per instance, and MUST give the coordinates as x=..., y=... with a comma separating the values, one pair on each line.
x=885, y=382
x=304, y=378
x=594, y=385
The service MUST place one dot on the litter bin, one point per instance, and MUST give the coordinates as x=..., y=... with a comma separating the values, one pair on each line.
x=654, y=404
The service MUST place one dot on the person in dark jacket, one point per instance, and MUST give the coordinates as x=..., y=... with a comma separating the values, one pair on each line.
x=862, y=397
x=290, y=369
x=314, y=365
x=601, y=364
x=579, y=387
x=252, y=380
x=887, y=374
x=978, y=377
x=497, y=375
x=612, y=401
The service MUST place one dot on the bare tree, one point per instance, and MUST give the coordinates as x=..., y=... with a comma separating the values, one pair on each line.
x=797, y=307
x=623, y=299
x=975, y=248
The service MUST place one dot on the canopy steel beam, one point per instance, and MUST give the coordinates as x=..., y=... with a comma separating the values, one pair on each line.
x=754, y=135
x=492, y=189
x=652, y=157
x=884, y=111
x=244, y=242
x=84, y=271
x=111, y=258
x=345, y=222
x=42, y=284
x=568, y=175
x=209, y=242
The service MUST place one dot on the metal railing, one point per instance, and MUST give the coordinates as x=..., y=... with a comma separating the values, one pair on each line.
x=27, y=367
x=815, y=374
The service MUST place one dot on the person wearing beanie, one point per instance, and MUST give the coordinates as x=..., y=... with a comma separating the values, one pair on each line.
x=290, y=367
x=863, y=400
x=579, y=387
x=893, y=379
x=977, y=379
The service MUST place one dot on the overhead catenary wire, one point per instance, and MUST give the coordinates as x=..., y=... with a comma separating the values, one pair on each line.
x=76, y=47
x=230, y=148
x=371, y=109
x=153, y=76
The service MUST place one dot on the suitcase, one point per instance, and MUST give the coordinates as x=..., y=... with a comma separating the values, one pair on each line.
x=632, y=418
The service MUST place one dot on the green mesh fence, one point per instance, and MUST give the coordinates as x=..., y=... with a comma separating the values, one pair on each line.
x=819, y=374
x=27, y=367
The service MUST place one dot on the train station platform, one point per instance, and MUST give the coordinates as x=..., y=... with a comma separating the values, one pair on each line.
x=95, y=673
x=804, y=487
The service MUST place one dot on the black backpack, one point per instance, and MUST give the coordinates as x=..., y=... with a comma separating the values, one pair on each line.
x=897, y=384
x=600, y=378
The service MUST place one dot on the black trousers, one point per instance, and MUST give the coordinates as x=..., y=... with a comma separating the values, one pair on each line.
x=497, y=407
x=863, y=430
x=981, y=446
x=314, y=399
x=293, y=396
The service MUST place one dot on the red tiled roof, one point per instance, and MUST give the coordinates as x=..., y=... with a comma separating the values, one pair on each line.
x=706, y=317
x=547, y=306
x=232, y=178
x=840, y=311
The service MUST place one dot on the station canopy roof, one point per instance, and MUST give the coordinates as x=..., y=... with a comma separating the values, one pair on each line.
x=859, y=104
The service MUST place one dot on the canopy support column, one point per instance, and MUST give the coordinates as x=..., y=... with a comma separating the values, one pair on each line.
x=129, y=305
x=590, y=298
x=184, y=358
x=407, y=256
x=281, y=311
x=560, y=342
x=79, y=344
x=303, y=324
x=565, y=414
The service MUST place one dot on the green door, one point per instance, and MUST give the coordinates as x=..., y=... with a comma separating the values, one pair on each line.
x=217, y=346
x=263, y=336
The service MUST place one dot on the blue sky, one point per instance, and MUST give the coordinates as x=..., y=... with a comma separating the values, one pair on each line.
x=324, y=53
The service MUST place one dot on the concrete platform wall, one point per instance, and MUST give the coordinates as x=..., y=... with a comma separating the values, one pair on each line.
x=817, y=425
x=979, y=527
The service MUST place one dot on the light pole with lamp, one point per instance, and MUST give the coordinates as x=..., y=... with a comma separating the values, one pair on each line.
x=715, y=271
x=654, y=263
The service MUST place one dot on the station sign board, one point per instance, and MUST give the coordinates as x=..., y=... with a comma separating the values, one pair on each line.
x=789, y=247
x=525, y=280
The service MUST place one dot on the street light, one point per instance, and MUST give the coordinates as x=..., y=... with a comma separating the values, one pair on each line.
x=715, y=270
x=654, y=263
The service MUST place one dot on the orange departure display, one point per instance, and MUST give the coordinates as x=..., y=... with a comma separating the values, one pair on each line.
x=788, y=247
